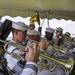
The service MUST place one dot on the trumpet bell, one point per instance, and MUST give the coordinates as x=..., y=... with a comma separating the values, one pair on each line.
x=68, y=64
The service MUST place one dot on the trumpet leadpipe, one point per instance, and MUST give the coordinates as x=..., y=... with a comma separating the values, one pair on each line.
x=18, y=45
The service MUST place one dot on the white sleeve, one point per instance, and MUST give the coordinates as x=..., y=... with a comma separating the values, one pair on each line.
x=30, y=69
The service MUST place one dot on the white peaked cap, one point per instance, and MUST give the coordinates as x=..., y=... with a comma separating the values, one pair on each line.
x=19, y=26
x=67, y=33
x=31, y=23
x=59, y=29
x=33, y=32
x=50, y=30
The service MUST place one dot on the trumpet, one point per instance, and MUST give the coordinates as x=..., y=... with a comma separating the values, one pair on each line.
x=60, y=49
x=67, y=38
x=68, y=64
x=69, y=42
x=53, y=50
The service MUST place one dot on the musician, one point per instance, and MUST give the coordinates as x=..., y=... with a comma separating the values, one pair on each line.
x=69, y=45
x=68, y=42
x=27, y=67
x=61, y=40
x=59, y=32
x=31, y=26
x=71, y=50
x=47, y=40
x=33, y=35
x=49, y=33
x=67, y=34
x=58, y=36
x=19, y=33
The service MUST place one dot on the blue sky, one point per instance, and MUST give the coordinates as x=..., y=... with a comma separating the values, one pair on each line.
x=67, y=25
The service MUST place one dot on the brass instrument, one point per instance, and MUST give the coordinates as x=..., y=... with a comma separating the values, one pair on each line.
x=35, y=18
x=53, y=50
x=69, y=42
x=60, y=49
x=18, y=45
x=67, y=38
x=68, y=64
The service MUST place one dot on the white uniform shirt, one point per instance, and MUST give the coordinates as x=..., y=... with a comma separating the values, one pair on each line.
x=10, y=60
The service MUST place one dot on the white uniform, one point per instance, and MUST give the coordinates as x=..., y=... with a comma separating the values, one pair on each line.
x=10, y=60
x=46, y=72
x=30, y=68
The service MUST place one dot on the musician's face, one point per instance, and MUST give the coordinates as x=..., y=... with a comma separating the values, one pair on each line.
x=22, y=35
x=34, y=37
x=58, y=33
x=32, y=27
x=48, y=35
